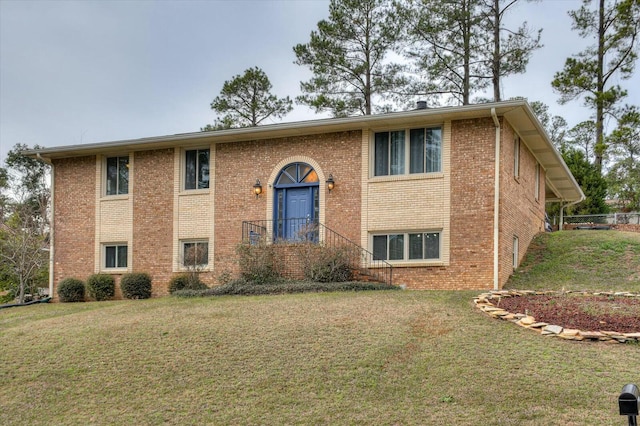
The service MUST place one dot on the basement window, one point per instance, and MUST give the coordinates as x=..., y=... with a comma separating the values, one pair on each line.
x=195, y=254
x=115, y=256
x=411, y=246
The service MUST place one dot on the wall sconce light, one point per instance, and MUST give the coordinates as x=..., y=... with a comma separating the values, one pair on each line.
x=331, y=183
x=257, y=188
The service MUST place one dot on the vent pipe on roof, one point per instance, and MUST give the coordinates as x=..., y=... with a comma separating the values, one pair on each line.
x=422, y=105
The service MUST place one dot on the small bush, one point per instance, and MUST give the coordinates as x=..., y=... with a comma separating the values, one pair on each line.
x=71, y=290
x=326, y=264
x=258, y=263
x=186, y=282
x=101, y=286
x=136, y=286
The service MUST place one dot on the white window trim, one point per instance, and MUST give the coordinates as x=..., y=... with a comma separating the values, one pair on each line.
x=406, y=262
x=516, y=251
x=103, y=257
x=183, y=171
x=407, y=153
x=201, y=267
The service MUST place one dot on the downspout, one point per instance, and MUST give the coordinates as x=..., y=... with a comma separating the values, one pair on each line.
x=496, y=204
x=561, y=224
x=51, y=233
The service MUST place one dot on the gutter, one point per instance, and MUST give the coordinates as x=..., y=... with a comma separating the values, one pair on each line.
x=561, y=224
x=51, y=233
x=496, y=204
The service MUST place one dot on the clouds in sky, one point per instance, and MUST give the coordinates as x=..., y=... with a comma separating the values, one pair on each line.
x=75, y=72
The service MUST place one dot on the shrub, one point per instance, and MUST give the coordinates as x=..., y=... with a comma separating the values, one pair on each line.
x=326, y=264
x=186, y=282
x=71, y=290
x=136, y=286
x=246, y=288
x=258, y=263
x=101, y=286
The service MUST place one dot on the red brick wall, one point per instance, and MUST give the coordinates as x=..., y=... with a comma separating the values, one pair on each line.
x=238, y=165
x=153, y=217
x=471, y=226
x=521, y=214
x=74, y=218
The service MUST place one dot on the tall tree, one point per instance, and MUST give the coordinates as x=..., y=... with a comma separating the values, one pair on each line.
x=28, y=179
x=246, y=101
x=348, y=56
x=24, y=222
x=444, y=41
x=462, y=46
x=555, y=125
x=624, y=175
x=582, y=137
x=22, y=253
x=590, y=74
x=590, y=180
x=509, y=50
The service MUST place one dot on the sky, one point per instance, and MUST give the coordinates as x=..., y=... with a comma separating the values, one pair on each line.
x=78, y=72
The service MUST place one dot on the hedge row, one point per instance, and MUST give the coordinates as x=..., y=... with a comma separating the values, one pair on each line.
x=246, y=288
x=102, y=287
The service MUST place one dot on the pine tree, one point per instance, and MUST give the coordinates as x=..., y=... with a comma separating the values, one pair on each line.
x=348, y=56
x=246, y=101
x=590, y=74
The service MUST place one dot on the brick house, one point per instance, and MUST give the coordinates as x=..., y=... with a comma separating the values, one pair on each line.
x=417, y=189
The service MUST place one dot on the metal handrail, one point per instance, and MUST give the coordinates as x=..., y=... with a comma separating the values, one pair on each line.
x=304, y=230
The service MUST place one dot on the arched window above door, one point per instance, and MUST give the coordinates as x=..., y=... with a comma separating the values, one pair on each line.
x=297, y=174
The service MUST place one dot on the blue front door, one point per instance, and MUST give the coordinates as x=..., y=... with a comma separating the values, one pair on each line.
x=296, y=203
x=297, y=212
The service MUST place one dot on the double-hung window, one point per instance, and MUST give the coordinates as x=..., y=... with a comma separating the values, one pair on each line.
x=196, y=169
x=195, y=253
x=420, y=148
x=117, y=175
x=115, y=256
x=409, y=246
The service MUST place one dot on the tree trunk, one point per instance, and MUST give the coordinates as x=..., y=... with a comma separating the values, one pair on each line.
x=367, y=89
x=599, y=146
x=466, y=34
x=21, y=292
x=495, y=66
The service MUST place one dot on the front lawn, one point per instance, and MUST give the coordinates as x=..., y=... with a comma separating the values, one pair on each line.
x=399, y=357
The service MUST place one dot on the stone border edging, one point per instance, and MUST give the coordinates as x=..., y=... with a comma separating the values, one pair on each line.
x=484, y=302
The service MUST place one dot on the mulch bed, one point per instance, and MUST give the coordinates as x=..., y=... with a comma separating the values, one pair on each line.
x=580, y=312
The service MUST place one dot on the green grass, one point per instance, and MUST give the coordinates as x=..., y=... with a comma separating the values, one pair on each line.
x=383, y=358
x=581, y=260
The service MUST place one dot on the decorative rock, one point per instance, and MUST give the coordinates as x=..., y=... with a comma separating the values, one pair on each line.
x=539, y=325
x=527, y=320
x=490, y=302
x=552, y=329
x=592, y=335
